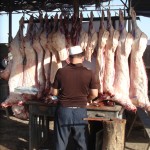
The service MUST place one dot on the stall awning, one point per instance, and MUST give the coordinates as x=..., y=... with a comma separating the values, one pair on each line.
x=46, y=5
x=142, y=7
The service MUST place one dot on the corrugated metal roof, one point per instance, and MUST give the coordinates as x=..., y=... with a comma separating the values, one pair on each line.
x=47, y=5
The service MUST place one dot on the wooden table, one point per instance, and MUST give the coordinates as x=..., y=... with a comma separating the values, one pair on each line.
x=40, y=114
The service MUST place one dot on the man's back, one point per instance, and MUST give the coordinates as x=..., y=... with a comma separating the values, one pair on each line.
x=74, y=82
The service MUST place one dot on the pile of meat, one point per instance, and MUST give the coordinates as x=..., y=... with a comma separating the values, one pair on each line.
x=44, y=49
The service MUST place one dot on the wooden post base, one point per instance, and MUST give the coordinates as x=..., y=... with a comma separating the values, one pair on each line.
x=113, y=134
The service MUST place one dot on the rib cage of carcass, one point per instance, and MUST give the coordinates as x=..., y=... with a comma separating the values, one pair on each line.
x=44, y=49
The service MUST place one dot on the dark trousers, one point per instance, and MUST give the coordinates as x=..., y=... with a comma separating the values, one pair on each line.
x=69, y=121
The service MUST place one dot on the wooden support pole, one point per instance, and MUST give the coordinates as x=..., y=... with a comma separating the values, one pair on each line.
x=113, y=134
x=10, y=22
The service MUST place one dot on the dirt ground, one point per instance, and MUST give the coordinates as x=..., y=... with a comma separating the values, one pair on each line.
x=14, y=135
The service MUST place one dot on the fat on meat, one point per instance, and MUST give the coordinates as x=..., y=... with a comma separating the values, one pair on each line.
x=122, y=79
x=112, y=43
x=92, y=39
x=47, y=56
x=59, y=41
x=40, y=56
x=138, y=76
x=100, y=58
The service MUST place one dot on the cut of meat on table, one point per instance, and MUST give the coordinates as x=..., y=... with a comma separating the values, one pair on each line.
x=111, y=46
x=16, y=74
x=100, y=58
x=138, y=76
x=30, y=71
x=59, y=41
x=122, y=78
x=47, y=56
x=83, y=38
x=92, y=39
x=5, y=74
x=40, y=56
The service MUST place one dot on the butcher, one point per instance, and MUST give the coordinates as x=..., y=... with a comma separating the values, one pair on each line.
x=74, y=85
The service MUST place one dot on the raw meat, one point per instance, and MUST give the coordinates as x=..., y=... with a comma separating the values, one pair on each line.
x=139, y=81
x=55, y=61
x=100, y=58
x=59, y=42
x=30, y=70
x=122, y=78
x=47, y=56
x=83, y=38
x=16, y=74
x=92, y=40
x=40, y=56
x=111, y=46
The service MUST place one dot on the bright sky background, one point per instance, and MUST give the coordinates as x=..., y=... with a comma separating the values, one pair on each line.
x=143, y=23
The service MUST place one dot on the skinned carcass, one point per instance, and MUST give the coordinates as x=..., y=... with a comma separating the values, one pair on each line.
x=109, y=73
x=122, y=79
x=92, y=39
x=138, y=77
x=75, y=30
x=16, y=70
x=40, y=56
x=58, y=41
x=30, y=70
x=83, y=38
x=47, y=56
x=55, y=61
x=66, y=27
x=100, y=58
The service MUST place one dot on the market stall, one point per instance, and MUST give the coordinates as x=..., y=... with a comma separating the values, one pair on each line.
x=112, y=52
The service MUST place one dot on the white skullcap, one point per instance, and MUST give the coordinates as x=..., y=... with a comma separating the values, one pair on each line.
x=75, y=50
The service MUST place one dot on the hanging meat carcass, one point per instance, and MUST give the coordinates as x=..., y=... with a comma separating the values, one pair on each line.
x=66, y=26
x=109, y=73
x=83, y=38
x=30, y=71
x=122, y=79
x=100, y=58
x=40, y=56
x=47, y=56
x=92, y=39
x=138, y=77
x=75, y=30
x=16, y=74
x=55, y=61
x=59, y=41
